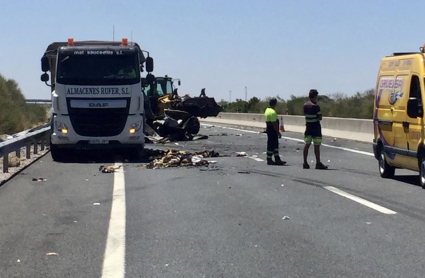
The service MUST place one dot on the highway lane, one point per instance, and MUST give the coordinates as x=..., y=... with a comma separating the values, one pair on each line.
x=237, y=218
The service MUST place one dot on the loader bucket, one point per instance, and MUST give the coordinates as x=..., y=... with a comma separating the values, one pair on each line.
x=199, y=107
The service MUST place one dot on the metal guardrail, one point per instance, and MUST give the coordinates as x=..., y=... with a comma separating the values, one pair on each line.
x=36, y=101
x=39, y=135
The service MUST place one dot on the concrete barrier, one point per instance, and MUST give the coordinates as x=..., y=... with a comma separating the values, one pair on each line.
x=345, y=128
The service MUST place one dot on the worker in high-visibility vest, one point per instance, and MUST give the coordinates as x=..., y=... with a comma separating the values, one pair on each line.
x=273, y=134
x=313, y=129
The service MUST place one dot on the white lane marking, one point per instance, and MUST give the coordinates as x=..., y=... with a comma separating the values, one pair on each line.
x=348, y=150
x=255, y=157
x=114, y=258
x=359, y=200
x=249, y=131
x=300, y=140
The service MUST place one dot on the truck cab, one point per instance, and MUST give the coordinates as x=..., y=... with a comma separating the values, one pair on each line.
x=96, y=98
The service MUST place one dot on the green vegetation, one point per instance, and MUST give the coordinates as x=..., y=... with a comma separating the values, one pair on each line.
x=15, y=114
x=358, y=106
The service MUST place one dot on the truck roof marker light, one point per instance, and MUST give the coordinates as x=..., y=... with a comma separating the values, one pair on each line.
x=71, y=41
x=132, y=130
x=124, y=41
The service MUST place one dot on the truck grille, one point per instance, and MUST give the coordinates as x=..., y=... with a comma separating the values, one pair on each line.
x=98, y=122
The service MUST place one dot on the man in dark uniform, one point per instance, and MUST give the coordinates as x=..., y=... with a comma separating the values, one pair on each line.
x=313, y=130
x=273, y=134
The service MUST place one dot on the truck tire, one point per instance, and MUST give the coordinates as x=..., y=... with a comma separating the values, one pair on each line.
x=385, y=170
x=57, y=154
x=139, y=152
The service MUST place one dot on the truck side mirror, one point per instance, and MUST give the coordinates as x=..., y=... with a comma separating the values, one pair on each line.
x=179, y=83
x=45, y=77
x=45, y=64
x=414, y=108
x=149, y=64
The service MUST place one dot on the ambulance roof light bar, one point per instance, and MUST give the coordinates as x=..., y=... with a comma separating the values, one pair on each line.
x=70, y=41
x=124, y=41
x=422, y=48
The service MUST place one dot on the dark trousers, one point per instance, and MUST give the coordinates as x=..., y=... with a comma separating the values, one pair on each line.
x=272, y=143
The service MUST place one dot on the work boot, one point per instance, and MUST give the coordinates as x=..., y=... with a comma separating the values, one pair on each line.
x=321, y=166
x=270, y=161
x=278, y=161
x=306, y=166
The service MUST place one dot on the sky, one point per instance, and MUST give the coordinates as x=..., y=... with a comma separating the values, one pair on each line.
x=264, y=47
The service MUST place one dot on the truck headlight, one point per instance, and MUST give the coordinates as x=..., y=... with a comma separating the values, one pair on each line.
x=135, y=126
x=61, y=127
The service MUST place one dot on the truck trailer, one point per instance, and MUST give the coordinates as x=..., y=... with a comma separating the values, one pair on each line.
x=97, y=102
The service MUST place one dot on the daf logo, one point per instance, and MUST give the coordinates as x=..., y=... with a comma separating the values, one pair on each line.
x=98, y=104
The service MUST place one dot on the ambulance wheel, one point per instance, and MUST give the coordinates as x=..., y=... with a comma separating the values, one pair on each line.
x=385, y=170
x=422, y=172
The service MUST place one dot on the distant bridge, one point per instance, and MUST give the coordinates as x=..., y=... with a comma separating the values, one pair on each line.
x=38, y=101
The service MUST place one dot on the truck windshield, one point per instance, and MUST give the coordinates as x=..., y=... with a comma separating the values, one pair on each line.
x=86, y=69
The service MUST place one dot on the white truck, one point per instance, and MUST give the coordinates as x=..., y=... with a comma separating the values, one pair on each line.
x=97, y=101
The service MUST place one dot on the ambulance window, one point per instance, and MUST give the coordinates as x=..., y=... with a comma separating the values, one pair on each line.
x=415, y=88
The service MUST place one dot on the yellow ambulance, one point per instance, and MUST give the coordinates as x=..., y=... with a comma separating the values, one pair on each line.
x=398, y=115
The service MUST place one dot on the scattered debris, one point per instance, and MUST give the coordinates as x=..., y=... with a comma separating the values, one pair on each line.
x=50, y=254
x=96, y=204
x=282, y=184
x=285, y=217
x=220, y=134
x=109, y=169
x=18, y=261
x=329, y=160
x=39, y=179
x=334, y=140
x=244, y=172
x=239, y=134
x=176, y=158
x=241, y=154
x=368, y=223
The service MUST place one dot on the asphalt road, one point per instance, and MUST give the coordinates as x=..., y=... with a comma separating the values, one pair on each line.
x=236, y=218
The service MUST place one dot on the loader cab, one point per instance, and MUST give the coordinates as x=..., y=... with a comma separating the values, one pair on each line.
x=160, y=87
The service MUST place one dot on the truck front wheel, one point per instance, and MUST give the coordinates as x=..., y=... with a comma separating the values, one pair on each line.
x=57, y=154
x=139, y=152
